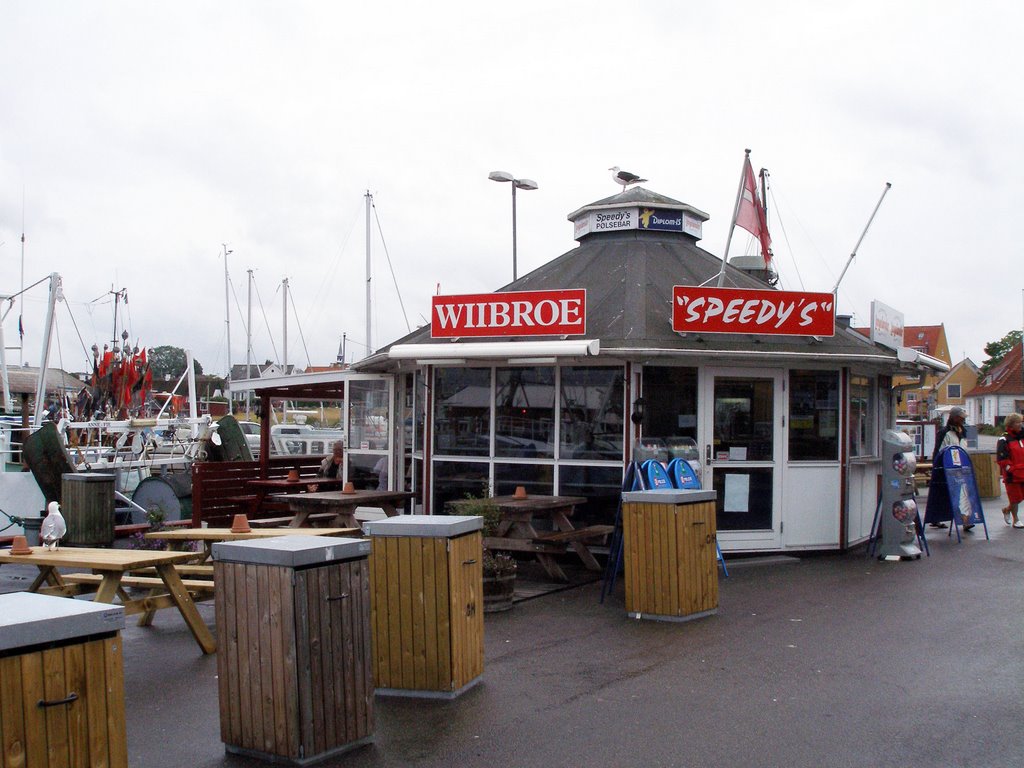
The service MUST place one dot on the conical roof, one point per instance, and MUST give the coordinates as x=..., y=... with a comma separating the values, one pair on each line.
x=629, y=275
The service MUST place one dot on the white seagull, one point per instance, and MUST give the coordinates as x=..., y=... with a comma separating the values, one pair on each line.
x=53, y=527
x=625, y=178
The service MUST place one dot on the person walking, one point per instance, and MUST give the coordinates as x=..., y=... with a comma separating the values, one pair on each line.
x=954, y=433
x=1010, y=458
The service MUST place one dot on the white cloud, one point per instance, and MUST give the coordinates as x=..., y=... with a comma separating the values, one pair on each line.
x=142, y=136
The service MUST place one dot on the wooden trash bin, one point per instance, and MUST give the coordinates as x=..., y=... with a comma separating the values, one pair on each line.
x=62, y=697
x=295, y=678
x=427, y=604
x=986, y=474
x=670, y=554
x=87, y=504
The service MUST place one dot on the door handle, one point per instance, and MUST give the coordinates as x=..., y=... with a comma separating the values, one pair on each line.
x=707, y=453
x=71, y=697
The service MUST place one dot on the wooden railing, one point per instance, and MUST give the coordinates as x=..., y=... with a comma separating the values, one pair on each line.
x=220, y=488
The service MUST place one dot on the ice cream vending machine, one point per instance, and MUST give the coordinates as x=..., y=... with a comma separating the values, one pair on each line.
x=897, y=526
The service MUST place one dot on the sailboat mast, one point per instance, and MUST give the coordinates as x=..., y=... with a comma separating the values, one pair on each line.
x=227, y=321
x=284, y=318
x=248, y=344
x=44, y=363
x=369, y=342
x=21, y=310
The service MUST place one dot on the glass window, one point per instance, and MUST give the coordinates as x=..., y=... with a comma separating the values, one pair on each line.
x=454, y=480
x=670, y=412
x=462, y=411
x=813, y=415
x=524, y=413
x=862, y=417
x=953, y=391
x=536, y=478
x=744, y=498
x=367, y=472
x=744, y=423
x=591, y=413
x=368, y=414
x=601, y=486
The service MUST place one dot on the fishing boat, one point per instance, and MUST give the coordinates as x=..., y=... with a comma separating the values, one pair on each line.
x=111, y=423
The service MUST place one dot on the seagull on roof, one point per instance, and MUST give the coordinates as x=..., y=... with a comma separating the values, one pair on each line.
x=625, y=178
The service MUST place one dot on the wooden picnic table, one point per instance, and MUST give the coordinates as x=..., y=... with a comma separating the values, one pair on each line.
x=516, y=531
x=108, y=580
x=262, y=487
x=342, y=505
x=210, y=536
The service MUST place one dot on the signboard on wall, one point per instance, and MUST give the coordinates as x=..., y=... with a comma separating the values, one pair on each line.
x=638, y=217
x=520, y=313
x=886, y=325
x=697, y=309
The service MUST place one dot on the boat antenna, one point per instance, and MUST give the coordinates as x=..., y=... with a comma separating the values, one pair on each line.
x=849, y=261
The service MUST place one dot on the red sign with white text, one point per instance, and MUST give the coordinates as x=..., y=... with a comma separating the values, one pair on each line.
x=522, y=313
x=736, y=310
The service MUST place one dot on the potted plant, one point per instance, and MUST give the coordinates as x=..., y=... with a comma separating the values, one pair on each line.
x=499, y=567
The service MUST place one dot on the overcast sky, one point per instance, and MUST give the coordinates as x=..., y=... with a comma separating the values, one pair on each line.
x=136, y=138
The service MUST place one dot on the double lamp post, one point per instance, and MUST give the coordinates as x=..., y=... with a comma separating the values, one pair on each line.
x=516, y=184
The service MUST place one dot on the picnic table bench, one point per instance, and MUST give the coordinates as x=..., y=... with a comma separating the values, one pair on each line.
x=516, y=531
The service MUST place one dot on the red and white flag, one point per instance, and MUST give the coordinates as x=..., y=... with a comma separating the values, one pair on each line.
x=750, y=212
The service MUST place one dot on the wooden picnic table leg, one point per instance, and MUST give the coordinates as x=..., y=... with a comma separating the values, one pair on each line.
x=146, y=618
x=188, y=609
x=47, y=575
x=110, y=587
x=526, y=530
x=345, y=517
x=563, y=523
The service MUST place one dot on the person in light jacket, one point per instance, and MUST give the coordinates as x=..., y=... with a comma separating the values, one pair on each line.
x=954, y=433
x=334, y=465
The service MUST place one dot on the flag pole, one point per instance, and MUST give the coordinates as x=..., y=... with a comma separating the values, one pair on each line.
x=735, y=213
x=849, y=261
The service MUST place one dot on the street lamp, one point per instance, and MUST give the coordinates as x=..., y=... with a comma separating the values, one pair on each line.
x=516, y=184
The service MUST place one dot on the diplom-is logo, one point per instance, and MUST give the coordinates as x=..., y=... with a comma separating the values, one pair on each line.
x=661, y=220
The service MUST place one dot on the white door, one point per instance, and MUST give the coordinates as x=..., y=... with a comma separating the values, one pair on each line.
x=741, y=428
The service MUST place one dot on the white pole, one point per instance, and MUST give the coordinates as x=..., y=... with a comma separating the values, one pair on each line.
x=193, y=406
x=44, y=363
x=369, y=342
x=3, y=364
x=284, y=344
x=227, y=322
x=849, y=261
x=732, y=225
x=248, y=345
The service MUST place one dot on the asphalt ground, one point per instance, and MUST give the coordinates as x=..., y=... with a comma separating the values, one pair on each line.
x=820, y=660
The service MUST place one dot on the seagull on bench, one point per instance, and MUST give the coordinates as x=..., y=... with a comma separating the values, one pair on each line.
x=625, y=178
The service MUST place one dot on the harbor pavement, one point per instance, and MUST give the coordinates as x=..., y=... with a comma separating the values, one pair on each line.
x=816, y=660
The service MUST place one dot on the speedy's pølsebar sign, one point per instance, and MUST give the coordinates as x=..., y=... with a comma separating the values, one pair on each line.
x=522, y=313
x=735, y=310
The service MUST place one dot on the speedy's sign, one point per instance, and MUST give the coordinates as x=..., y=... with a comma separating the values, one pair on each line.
x=736, y=310
x=523, y=313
